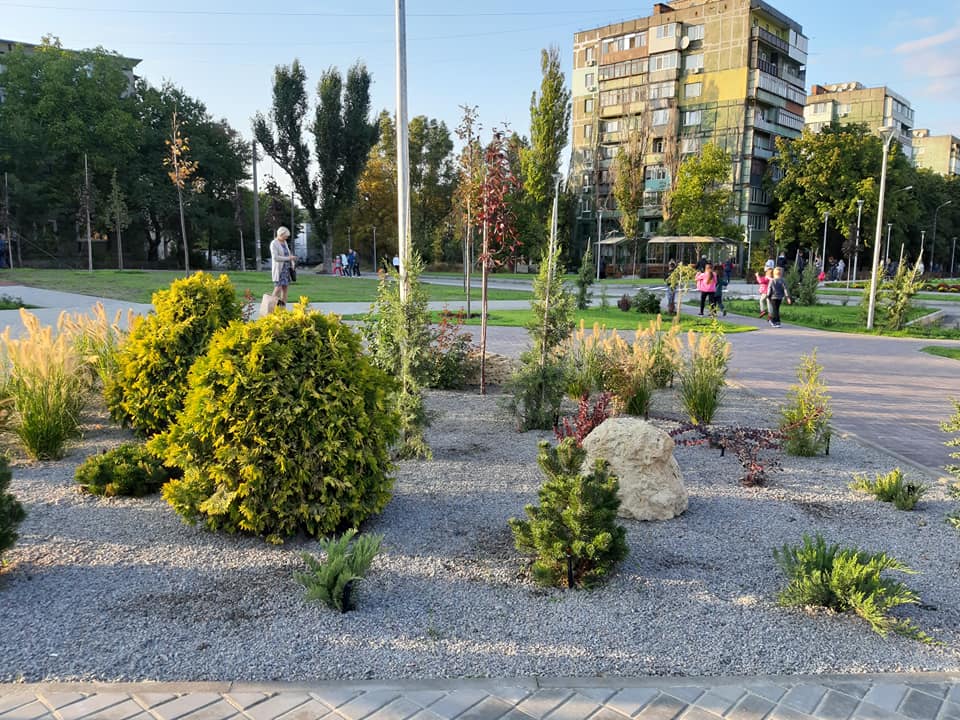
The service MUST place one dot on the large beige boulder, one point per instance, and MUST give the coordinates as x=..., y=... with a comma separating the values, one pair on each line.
x=641, y=456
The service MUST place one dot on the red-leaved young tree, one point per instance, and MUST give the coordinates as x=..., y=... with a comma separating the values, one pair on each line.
x=499, y=227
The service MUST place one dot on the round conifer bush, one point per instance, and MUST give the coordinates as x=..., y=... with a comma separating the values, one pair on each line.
x=287, y=427
x=149, y=386
x=129, y=470
x=11, y=511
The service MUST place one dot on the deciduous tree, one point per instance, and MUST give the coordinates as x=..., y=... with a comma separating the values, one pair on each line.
x=701, y=201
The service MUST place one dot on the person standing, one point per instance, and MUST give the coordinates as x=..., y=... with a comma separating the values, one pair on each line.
x=281, y=262
x=722, y=282
x=776, y=294
x=727, y=270
x=707, y=285
x=671, y=288
x=763, y=282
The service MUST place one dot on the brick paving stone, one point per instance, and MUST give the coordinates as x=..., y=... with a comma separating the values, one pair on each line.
x=424, y=698
x=920, y=706
x=937, y=689
x=310, y=710
x=399, y=709
x=782, y=712
x=686, y=693
x=576, y=707
x=662, y=707
x=426, y=715
x=490, y=708
x=804, y=698
x=90, y=705
x=456, y=702
x=719, y=703
x=600, y=694
x=276, y=705
x=751, y=707
x=220, y=710
x=606, y=713
x=869, y=711
x=126, y=709
x=367, y=703
x=30, y=711
x=516, y=715
x=836, y=706
x=886, y=695
x=56, y=700
x=768, y=691
x=854, y=689
x=544, y=701
x=244, y=700
x=950, y=711
x=630, y=701
x=334, y=697
x=184, y=704
x=9, y=702
x=151, y=699
x=954, y=693
x=695, y=712
x=512, y=694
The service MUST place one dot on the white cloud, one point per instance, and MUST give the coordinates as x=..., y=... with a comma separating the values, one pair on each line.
x=925, y=44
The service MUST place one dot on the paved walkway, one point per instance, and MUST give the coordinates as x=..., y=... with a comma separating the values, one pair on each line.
x=851, y=697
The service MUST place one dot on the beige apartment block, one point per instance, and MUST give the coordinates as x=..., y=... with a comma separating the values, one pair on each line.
x=728, y=72
x=939, y=153
x=851, y=102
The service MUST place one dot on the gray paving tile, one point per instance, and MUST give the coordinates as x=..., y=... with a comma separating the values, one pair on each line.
x=516, y=715
x=695, y=712
x=751, y=707
x=869, y=711
x=220, y=710
x=243, y=700
x=662, y=707
x=92, y=704
x=687, y=693
x=920, y=706
x=576, y=707
x=367, y=703
x=310, y=710
x=126, y=709
x=836, y=706
x=424, y=698
x=56, y=700
x=606, y=713
x=513, y=694
x=456, y=702
x=152, y=699
x=490, y=708
x=277, y=705
x=544, y=701
x=730, y=692
x=184, y=704
x=936, y=689
x=14, y=700
x=950, y=711
x=399, y=709
x=854, y=689
x=804, y=698
x=886, y=696
x=630, y=701
x=953, y=695
x=30, y=711
x=600, y=694
x=426, y=715
x=768, y=691
x=334, y=697
x=782, y=712
x=718, y=703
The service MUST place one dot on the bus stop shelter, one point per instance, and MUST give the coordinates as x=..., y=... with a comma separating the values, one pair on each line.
x=661, y=249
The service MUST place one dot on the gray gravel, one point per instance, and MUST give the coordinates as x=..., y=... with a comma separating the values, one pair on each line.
x=122, y=590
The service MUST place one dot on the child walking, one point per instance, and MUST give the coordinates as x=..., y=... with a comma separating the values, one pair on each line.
x=707, y=285
x=722, y=282
x=776, y=294
x=763, y=281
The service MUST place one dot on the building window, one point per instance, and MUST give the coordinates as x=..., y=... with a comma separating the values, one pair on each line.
x=611, y=126
x=664, y=61
x=689, y=146
x=589, y=54
x=692, y=90
x=666, y=31
x=692, y=117
x=694, y=63
x=695, y=32
x=589, y=79
x=660, y=117
x=588, y=105
x=662, y=90
x=642, y=39
x=588, y=131
x=655, y=172
x=658, y=145
x=586, y=180
x=819, y=108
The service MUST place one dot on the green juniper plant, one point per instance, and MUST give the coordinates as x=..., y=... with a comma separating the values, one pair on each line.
x=844, y=580
x=585, y=278
x=332, y=580
x=129, y=470
x=952, y=425
x=895, y=296
x=573, y=533
x=11, y=511
x=805, y=418
x=892, y=488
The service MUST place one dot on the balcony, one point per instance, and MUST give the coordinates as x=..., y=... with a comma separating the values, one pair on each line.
x=762, y=152
x=770, y=39
x=768, y=67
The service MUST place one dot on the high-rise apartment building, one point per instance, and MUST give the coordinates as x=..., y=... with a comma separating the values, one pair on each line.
x=849, y=103
x=728, y=72
x=939, y=153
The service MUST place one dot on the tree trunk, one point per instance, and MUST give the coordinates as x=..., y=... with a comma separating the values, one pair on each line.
x=183, y=232
x=483, y=312
x=328, y=250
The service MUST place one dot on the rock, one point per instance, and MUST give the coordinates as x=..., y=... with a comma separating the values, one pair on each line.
x=641, y=456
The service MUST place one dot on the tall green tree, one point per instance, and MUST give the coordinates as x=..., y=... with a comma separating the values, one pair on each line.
x=432, y=182
x=549, y=134
x=342, y=138
x=701, y=201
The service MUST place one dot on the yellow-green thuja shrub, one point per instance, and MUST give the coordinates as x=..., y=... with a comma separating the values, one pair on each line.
x=287, y=427
x=150, y=382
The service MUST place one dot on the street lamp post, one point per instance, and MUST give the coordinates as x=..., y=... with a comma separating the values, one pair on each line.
x=933, y=242
x=888, y=133
x=599, y=229
x=823, y=255
x=374, y=228
x=953, y=254
x=856, y=245
x=886, y=255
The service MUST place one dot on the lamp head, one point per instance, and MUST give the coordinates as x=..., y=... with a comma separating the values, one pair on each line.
x=887, y=132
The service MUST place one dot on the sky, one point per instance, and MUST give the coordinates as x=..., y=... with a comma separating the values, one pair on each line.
x=482, y=52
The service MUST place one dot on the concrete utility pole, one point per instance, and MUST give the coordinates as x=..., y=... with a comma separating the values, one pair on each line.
x=374, y=248
x=256, y=212
x=6, y=219
x=403, y=152
x=293, y=220
x=823, y=256
x=86, y=207
x=888, y=133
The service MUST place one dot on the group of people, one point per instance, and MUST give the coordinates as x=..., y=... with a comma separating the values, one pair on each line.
x=347, y=264
x=773, y=291
x=711, y=285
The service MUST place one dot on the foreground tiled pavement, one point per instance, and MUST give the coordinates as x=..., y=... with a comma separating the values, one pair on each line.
x=853, y=697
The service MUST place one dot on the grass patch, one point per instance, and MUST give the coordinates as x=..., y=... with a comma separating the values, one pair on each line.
x=840, y=318
x=923, y=295
x=612, y=318
x=139, y=285
x=8, y=302
x=947, y=352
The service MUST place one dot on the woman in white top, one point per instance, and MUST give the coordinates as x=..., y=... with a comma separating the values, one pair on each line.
x=281, y=260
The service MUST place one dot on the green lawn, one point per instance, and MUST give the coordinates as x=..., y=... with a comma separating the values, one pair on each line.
x=855, y=295
x=839, y=318
x=613, y=318
x=569, y=277
x=947, y=352
x=139, y=285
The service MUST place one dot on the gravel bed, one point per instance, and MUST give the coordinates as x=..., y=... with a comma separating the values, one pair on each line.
x=121, y=589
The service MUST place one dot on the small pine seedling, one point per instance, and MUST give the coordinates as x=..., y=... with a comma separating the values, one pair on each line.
x=331, y=581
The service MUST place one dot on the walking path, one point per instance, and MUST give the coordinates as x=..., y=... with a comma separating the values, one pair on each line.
x=849, y=697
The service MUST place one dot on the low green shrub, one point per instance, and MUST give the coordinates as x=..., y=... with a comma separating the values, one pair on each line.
x=703, y=375
x=573, y=533
x=807, y=289
x=805, y=418
x=332, y=581
x=952, y=425
x=150, y=384
x=586, y=276
x=11, y=511
x=645, y=302
x=847, y=580
x=625, y=303
x=287, y=427
x=891, y=488
x=449, y=362
x=535, y=394
x=129, y=470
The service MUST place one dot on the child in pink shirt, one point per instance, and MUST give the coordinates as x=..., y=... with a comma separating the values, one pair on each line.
x=707, y=285
x=764, y=282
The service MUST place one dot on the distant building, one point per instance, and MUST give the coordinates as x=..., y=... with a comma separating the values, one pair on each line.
x=939, y=153
x=727, y=72
x=851, y=103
